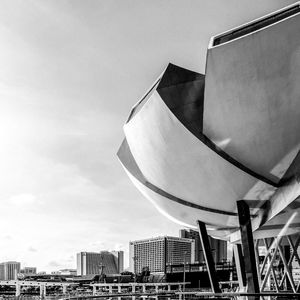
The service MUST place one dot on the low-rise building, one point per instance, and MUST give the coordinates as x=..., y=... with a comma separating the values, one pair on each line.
x=67, y=272
x=27, y=271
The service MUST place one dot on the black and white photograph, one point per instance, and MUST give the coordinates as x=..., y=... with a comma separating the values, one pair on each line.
x=149, y=149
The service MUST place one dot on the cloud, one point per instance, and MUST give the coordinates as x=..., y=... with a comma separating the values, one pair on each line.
x=22, y=199
x=98, y=244
x=54, y=263
x=31, y=249
x=118, y=247
x=71, y=259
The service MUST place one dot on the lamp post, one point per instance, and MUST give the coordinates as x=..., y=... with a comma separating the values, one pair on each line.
x=101, y=269
x=183, y=289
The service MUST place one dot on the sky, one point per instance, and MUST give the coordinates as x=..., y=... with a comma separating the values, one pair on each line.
x=70, y=71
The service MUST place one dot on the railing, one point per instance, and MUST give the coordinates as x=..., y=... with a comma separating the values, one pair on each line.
x=197, y=268
x=238, y=295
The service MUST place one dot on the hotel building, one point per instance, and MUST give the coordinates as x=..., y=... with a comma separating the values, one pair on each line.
x=157, y=253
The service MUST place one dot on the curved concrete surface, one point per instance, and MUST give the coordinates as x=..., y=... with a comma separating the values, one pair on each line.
x=196, y=144
x=252, y=95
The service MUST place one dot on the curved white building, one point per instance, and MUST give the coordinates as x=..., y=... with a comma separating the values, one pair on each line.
x=195, y=144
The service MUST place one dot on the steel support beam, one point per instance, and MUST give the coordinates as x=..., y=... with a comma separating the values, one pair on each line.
x=248, y=246
x=239, y=264
x=18, y=290
x=256, y=248
x=208, y=258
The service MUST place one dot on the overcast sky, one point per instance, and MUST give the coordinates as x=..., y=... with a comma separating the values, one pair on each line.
x=70, y=71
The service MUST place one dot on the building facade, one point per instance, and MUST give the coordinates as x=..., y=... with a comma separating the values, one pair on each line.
x=104, y=262
x=219, y=247
x=9, y=270
x=119, y=260
x=157, y=253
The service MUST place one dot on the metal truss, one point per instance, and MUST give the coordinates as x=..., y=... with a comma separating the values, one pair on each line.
x=275, y=256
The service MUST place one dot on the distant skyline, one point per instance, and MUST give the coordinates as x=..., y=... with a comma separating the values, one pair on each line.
x=70, y=71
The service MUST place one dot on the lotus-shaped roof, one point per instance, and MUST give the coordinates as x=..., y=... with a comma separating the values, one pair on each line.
x=195, y=144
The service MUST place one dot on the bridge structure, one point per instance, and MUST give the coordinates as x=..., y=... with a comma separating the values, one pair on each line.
x=138, y=289
x=134, y=286
x=18, y=284
x=101, y=289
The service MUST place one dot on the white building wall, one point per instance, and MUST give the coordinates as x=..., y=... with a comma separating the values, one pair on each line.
x=131, y=257
x=79, y=265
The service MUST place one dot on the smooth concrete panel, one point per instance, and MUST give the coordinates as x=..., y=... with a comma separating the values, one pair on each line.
x=252, y=96
x=187, y=216
x=222, y=226
x=182, y=91
x=128, y=162
x=173, y=159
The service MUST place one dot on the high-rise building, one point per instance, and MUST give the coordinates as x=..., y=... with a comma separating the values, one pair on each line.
x=2, y=271
x=119, y=260
x=218, y=247
x=9, y=270
x=100, y=262
x=157, y=253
